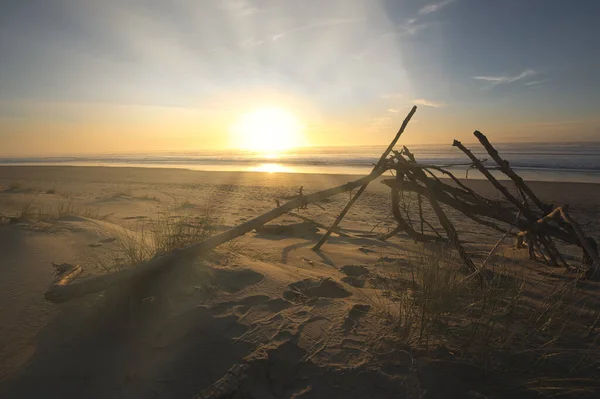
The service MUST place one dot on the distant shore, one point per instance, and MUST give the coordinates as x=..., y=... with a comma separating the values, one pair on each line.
x=574, y=193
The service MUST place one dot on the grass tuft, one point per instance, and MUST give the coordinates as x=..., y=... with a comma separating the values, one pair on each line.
x=542, y=329
x=34, y=213
x=159, y=235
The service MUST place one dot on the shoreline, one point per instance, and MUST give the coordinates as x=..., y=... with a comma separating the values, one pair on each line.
x=559, y=192
x=528, y=174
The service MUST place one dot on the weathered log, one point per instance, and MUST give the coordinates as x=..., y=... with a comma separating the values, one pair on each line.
x=508, y=171
x=64, y=292
x=526, y=211
x=441, y=215
x=66, y=273
x=475, y=211
x=589, y=246
x=379, y=164
x=551, y=250
x=402, y=224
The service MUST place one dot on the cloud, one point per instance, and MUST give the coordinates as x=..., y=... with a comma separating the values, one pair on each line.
x=497, y=80
x=428, y=103
x=428, y=9
x=534, y=83
x=238, y=7
x=393, y=110
x=320, y=24
x=251, y=43
x=411, y=27
x=392, y=96
x=377, y=124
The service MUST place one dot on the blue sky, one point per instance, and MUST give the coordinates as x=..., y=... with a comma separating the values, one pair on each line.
x=99, y=75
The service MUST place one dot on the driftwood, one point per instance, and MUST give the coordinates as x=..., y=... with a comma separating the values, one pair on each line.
x=439, y=212
x=538, y=228
x=507, y=170
x=588, y=244
x=379, y=164
x=64, y=292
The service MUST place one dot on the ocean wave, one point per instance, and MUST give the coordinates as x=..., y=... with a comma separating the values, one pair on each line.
x=564, y=157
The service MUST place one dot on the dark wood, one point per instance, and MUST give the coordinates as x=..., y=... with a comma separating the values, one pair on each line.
x=379, y=164
x=508, y=171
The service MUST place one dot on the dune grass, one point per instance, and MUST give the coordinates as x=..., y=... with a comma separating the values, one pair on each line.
x=542, y=330
x=163, y=233
x=31, y=212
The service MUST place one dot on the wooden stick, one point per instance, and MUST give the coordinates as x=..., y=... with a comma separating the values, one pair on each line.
x=62, y=293
x=364, y=187
x=584, y=242
x=522, y=207
x=402, y=224
x=444, y=221
x=508, y=171
x=492, y=179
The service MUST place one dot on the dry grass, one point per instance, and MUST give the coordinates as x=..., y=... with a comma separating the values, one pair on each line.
x=34, y=213
x=540, y=329
x=158, y=235
x=14, y=186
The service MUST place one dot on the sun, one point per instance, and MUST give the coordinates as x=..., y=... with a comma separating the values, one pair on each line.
x=268, y=130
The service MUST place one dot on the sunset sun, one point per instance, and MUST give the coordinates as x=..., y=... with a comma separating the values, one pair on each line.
x=268, y=130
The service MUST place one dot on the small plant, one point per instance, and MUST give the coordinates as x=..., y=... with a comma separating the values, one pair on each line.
x=34, y=213
x=159, y=235
x=26, y=212
x=14, y=186
x=511, y=321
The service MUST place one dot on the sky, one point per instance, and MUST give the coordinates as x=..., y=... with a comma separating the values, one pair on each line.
x=122, y=76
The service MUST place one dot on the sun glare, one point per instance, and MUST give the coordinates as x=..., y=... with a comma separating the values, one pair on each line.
x=268, y=131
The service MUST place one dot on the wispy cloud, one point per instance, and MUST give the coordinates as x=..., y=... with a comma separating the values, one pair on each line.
x=238, y=7
x=534, y=83
x=428, y=9
x=504, y=79
x=320, y=24
x=393, y=110
x=251, y=43
x=428, y=103
x=392, y=96
x=379, y=123
x=411, y=27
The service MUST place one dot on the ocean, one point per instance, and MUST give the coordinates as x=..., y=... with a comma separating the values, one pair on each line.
x=569, y=162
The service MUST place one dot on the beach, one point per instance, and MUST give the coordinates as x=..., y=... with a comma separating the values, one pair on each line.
x=233, y=320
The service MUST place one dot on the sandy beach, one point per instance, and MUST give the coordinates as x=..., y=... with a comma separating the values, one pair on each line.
x=261, y=317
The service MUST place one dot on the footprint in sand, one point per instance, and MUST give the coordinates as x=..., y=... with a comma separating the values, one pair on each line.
x=234, y=280
x=356, y=275
x=314, y=333
x=354, y=315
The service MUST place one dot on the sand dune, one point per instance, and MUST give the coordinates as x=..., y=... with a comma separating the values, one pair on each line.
x=261, y=317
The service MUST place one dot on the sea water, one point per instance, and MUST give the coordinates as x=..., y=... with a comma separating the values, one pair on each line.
x=570, y=162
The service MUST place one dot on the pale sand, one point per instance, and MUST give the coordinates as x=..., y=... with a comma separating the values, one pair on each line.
x=236, y=309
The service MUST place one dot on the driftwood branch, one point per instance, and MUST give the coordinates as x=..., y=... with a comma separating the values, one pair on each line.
x=64, y=292
x=379, y=164
x=507, y=170
x=536, y=229
x=444, y=221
